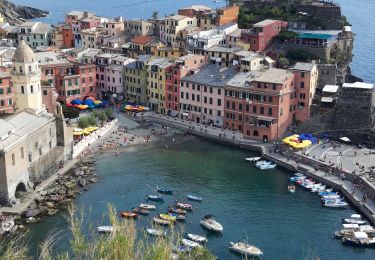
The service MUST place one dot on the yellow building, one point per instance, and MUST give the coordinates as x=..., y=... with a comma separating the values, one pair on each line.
x=156, y=77
x=169, y=52
x=171, y=26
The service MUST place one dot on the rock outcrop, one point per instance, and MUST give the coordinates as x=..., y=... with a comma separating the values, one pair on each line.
x=17, y=13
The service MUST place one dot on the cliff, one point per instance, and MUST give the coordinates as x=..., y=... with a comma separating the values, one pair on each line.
x=17, y=13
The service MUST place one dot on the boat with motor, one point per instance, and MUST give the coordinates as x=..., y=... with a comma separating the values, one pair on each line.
x=210, y=223
x=245, y=249
x=344, y=233
x=194, y=198
x=155, y=232
x=104, y=229
x=332, y=197
x=359, y=238
x=141, y=211
x=327, y=193
x=354, y=221
x=161, y=221
x=350, y=226
x=147, y=206
x=313, y=185
x=128, y=214
x=184, y=206
x=319, y=188
x=179, y=217
x=260, y=163
x=196, y=238
x=252, y=159
x=167, y=217
x=165, y=191
x=190, y=243
x=176, y=210
x=297, y=178
x=155, y=197
x=268, y=166
x=335, y=204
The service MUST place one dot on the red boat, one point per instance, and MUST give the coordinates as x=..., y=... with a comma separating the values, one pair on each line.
x=128, y=214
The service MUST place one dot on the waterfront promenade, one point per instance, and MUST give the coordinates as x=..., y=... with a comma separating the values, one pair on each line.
x=319, y=170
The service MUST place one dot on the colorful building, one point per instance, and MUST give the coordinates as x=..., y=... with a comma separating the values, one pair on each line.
x=6, y=94
x=182, y=67
x=202, y=94
x=221, y=55
x=35, y=34
x=260, y=104
x=156, y=81
x=262, y=35
x=172, y=25
x=306, y=82
x=228, y=14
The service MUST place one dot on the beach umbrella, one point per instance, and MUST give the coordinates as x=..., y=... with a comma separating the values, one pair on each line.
x=77, y=133
x=76, y=102
x=345, y=139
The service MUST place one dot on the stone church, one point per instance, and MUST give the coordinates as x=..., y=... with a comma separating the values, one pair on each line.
x=32, y=141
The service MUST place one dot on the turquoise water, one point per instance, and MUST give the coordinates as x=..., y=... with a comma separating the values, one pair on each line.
x=251, y=204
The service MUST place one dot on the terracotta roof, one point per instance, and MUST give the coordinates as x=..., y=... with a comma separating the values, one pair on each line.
x=141, y=39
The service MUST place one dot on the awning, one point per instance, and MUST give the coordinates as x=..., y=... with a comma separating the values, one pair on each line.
x=330, y=88
x=265, y=118
x=185, y=114
x=327, y=99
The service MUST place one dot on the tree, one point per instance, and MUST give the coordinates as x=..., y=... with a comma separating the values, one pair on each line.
x=102, y=117
x=108, y=112
x=91, y=120
x=83, y=122
x=70, y=112
x=283, y=63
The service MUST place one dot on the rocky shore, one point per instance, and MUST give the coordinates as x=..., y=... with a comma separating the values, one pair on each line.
x=15, y=14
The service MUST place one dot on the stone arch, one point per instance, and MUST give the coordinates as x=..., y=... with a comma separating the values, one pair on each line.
x=20, y=188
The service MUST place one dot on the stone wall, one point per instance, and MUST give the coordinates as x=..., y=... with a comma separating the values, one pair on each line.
x=323, y=53
x=327, y=75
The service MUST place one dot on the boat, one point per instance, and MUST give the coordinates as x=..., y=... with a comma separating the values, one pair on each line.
x=183, y=206
x=176, y=210
x=298, y=174
x=357, y=216
x=161, y=221
x=31, y=220
x=330, y=197
x=105, y=229
x=155, y=232
x=141, y=211
x=252, y=159
x=167, y=217
x=335, y=204
x=128, y=214
x=165, y=191
x=267, y=166
x=196, y=238
x=291, y=188
x=210, y=223
x=354, y=221
x=350, y=226
x=318, y=189
x=359, y=238
x=344, y=233
x=190, y=243
x=297, y=178
x=260, y=163
x=147, y=206
x=326, y=193
x=194, y=198
x=245, y=249
x=155, y=197
x=6, y=225
x=367, y=229
x=179, y=217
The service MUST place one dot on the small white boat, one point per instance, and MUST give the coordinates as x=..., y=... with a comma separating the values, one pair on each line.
x=367, y=229
x=267, y=166
x=350, y=226
x=190, y=243
x=357, y=216
x=245, y=249
x=155, y=232
x=196, y=238
x=329, y=197
x=253, y=159
x=260, y=163
x=335, y=204
x=354, y=221
x=210, y=223
x=105, y=229
x=194, y=198
x=147, y=206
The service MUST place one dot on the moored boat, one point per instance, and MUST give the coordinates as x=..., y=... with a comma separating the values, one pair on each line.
x=190, y=243
x=210, y=223
x=141, y=211
x=104, y=229
x=162, y=221
x=179, y=217
x=291, y=188
x=155, y=197
x=184, y=206
x=155, y=232
x=194, y=198
x=128, y=214
x=245, y=249
x=196, y=238
x=252, y=159
x=354, y=221
x=147, y=206
x=167, y=217
x=268, y=166
x=176, y=210
x=165, y=191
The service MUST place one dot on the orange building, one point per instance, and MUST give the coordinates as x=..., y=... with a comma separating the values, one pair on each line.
x=228, y=14
x=260, y=104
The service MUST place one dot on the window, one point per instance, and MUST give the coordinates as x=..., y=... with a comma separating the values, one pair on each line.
x=83, y=80
x=210, y=89
x=10, y=101
x=302, y=84
x=247, y=107
x=2, y=103
x=182, y=94
x=22, y=89
x=274, y=86
x=219, y=102
x=31, y=89
x=254, y=109
x=22, y=153
x=228, y=104
x=281, y=111
x=240, y=107
x=302, y=74
x=210, y=101
x=262, y=110
x=44, y=92
x=255, y=133
x=1, y=91
x=270, y=99
x=13, y=159
x=270, y=111
x=233, y=105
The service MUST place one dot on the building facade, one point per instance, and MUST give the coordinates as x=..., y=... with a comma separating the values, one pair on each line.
x=6, y=94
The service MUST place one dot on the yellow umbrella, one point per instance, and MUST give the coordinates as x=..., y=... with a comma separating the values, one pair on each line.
x=77, y=133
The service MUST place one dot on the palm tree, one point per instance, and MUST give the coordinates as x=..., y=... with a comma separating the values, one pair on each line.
x=155, y=15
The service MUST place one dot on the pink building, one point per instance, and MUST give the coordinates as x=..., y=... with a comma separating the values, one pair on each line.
x=183, y=66
x=6, y=94
x=260, y=104
x=306, y=80
x=262, y=35
x=202, y=94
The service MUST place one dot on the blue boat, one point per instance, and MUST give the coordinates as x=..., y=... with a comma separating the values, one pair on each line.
x=325, y=193
x=194, y=198
x=155, y=197
x=165, y=191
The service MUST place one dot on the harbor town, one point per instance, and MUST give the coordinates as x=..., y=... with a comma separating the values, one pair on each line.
x=187, y=131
